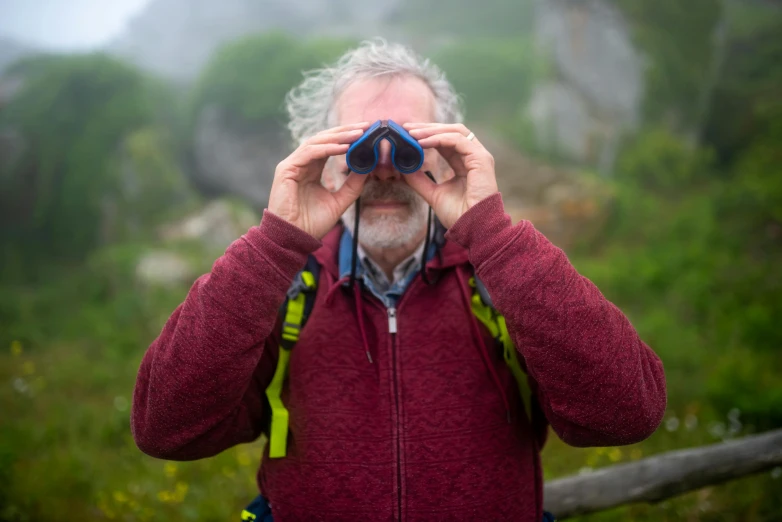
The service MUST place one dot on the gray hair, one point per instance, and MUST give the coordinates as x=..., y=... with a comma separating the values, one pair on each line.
x=310, y=105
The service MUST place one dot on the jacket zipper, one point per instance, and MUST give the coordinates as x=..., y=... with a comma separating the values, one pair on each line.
x=392, y=320
x=392, y=332
x=393, y=313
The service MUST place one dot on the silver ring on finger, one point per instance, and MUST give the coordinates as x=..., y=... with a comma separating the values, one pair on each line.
x=471, y=136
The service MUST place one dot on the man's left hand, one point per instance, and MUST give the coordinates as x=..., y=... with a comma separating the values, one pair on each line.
x=472, y=165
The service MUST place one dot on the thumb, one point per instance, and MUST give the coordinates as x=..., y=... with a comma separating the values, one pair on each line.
x=423, y=185
x=350, y=191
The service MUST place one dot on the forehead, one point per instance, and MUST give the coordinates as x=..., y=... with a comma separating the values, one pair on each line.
x=403, y=99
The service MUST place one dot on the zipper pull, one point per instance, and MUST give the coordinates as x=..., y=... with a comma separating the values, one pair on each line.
x=392, y=320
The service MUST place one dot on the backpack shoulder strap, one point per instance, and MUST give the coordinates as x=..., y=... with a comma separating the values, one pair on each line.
x=484, y=311
x=295, y=311
x=300, y=300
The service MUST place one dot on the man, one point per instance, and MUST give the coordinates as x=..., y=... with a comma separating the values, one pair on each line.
x=400, y=405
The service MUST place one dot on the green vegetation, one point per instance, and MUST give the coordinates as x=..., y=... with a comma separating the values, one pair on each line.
x=701, y=249
x=249, y=77
x=690, y=253
x=495, y=76
x=71, y=348
x=74, y=114
x=677, y=38
x=747, y=97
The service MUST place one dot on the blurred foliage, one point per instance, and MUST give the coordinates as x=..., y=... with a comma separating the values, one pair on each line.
x=703, y=247
x=72, y=114
x=677, y=39
x=748, y=94
x=250, y=76
x=153, y=185
x=494, y=76
x=697, y=232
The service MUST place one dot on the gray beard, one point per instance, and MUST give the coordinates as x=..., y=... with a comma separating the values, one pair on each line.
x=388, y=231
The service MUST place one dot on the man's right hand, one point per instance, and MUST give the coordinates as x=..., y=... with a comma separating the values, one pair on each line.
x=297, y=195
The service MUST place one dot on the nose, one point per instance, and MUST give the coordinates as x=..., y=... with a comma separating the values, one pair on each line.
x=385, y=170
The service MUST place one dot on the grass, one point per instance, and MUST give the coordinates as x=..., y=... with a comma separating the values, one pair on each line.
x=68, y=453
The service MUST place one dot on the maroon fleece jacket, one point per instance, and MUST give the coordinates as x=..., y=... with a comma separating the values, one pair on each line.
x=429, y=425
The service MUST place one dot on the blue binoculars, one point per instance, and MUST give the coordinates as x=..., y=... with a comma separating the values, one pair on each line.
x=406, y=153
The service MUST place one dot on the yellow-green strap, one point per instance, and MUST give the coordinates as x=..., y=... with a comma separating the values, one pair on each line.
x=278, y=431
x=512, y=360
x=291, y=328
x=495, y=323
x=485, y=315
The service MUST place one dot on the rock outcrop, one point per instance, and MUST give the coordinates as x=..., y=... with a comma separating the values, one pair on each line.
x=599, y=80
x=189, y=245
x=232, y=159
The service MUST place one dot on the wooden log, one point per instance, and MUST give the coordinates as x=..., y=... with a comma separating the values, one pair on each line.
x=663, y=476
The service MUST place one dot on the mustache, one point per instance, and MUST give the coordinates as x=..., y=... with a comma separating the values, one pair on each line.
x=379, y=191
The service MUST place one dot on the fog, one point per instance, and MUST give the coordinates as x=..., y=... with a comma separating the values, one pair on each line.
x=65, y=24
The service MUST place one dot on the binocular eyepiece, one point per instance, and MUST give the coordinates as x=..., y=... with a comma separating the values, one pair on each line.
x=406, y=153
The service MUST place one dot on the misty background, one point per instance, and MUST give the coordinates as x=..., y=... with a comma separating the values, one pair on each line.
x=138, y=138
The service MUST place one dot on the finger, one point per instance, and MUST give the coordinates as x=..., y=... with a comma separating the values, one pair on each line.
x=419, y=124
x=456, y=149
x=450, y=142
x=308, y=154
x=350, y=190
x=364, y=125
x=424, y=186
x=431, y=130
x=348, y=136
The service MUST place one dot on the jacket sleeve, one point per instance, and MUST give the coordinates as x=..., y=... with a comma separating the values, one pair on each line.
x=199, y=388
x=598, y=383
